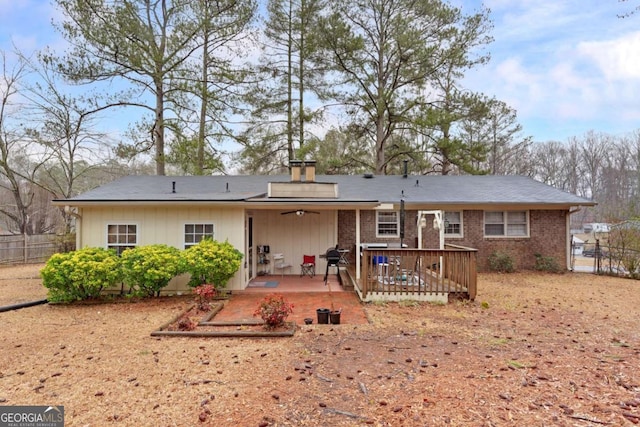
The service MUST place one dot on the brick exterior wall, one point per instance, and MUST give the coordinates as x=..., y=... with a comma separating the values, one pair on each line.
x=547, y=231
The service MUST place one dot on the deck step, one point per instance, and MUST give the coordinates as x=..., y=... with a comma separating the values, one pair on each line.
x=345, y=279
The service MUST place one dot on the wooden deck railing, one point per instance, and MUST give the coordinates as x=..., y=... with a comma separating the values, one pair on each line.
x=394, y=274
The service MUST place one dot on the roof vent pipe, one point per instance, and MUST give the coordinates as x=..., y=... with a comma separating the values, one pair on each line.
x=405, y=168
x=173, y=189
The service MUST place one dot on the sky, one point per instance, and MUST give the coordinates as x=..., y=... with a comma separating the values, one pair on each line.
x=566, y=66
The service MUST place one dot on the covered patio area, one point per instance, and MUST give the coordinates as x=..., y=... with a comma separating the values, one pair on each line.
x=293, y=283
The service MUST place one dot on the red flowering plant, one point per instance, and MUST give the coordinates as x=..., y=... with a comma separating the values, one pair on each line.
x=186, y=324
x=205, y=294
x=274, y=310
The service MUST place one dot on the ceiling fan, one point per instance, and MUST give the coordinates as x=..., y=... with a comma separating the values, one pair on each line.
x=299, y=212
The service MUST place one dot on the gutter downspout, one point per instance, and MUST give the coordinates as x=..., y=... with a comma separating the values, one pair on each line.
x=358, y=247
x=568, y=236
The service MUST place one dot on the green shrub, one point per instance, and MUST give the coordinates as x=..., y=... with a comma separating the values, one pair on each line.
x=148, y=269
x=80, y=274
x=546, y=263
x=211, y=262
x=501, y=262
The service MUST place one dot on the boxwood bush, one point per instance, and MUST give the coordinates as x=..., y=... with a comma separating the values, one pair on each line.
x=500, y=262
x=148, y=269
x=80, y=274
x=546, y=263
x=211, y=262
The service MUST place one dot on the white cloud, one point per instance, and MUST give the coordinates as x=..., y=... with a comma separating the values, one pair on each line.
x=521, y=86
x=618, y=59
x=566, y=66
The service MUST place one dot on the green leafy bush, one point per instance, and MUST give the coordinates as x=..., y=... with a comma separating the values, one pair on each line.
x=148, y=269
x=546, y=263
x=80, y=274
x=211, y=261
x=501, y=262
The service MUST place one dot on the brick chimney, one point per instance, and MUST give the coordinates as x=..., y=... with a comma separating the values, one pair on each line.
x=310, y=170
x=296, y=170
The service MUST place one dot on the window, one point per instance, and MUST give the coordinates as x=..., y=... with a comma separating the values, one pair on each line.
x=121, y=237
x=453, y=224
x=387, y=224
x=506, y=224
x=194, y=233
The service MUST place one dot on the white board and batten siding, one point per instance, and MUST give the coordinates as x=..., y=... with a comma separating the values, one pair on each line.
x=295, y=236
x=165, y=225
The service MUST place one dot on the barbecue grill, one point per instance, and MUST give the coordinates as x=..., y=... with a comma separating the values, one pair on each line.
x=333, y=259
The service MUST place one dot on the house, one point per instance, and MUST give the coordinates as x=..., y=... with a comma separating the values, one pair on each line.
x=596, y=227
x=577, y=244
x=303, y=213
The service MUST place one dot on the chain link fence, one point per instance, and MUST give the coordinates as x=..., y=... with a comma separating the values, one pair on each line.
x=605, y=259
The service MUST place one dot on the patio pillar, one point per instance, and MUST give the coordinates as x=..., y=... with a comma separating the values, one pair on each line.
x=438, y=224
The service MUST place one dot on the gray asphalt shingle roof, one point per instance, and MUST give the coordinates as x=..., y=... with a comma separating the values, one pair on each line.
x=432, y=189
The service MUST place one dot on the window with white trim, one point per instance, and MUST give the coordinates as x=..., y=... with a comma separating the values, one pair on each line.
x=506, y=224
x=121, y=237
x=453, y=224
x=194, y=233
x=387, y=224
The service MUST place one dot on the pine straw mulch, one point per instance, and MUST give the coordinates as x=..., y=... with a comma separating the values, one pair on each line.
x=533, y=349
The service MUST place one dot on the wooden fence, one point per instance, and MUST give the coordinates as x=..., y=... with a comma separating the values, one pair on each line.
x=420, y=274
x=23, y=249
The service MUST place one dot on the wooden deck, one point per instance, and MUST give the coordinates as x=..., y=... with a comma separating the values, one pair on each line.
x=416, y=274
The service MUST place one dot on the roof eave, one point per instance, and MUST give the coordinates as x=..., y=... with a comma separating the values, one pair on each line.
x=149, y=202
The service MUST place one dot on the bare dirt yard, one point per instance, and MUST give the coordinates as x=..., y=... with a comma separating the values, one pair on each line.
x=532, y=349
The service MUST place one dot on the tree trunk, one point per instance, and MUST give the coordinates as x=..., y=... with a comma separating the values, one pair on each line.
x=290, y=85
x=204, y=98
x=380, y=157
x=158, y=128
x=301, y=75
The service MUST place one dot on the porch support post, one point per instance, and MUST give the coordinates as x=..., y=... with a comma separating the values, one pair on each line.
x=441, y=230
x=358, y=248
x=421, y=224
x=438, y=224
